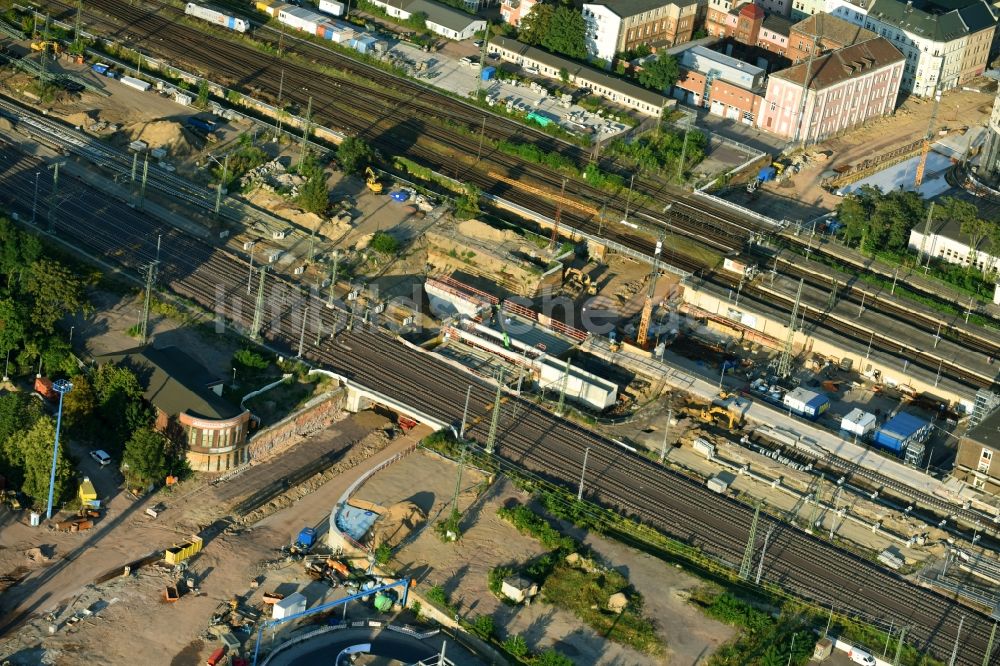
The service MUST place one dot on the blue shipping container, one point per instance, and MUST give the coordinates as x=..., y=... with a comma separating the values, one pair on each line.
x=100, y=68
x=488, y=73
x=901, y=430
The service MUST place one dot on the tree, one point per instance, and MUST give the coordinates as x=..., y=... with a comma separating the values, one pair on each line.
x=146, y=456
x=467, y=205
x=117, y=388
x=202, y=101
x=353, y=154
x=660, y=74
x=564, y=75
x=18, y=413
x=11, y=325
x=36, y=445
x=80, y=407
x=55, y=291
x=567, y=33
x=536, y=24
x=314, y=196
x=384, y=243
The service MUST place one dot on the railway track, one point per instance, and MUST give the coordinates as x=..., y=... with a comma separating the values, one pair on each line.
x=534, y=439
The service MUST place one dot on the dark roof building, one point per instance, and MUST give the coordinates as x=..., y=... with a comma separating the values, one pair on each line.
x=189, y=405
x=976, y=450
x=827, y=32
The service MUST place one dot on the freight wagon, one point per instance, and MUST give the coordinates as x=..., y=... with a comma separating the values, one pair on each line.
x=217, y=17
x=331, y=7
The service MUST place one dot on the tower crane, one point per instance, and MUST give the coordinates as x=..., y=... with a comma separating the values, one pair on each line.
x=922, y=164
x=647, y=307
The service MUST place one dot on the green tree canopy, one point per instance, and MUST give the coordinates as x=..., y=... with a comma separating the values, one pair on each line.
x=354, y=154
x=117, y=388
x=660, y=74
x=80, y=407
x=536, y=24
x=146, y=456
x=567, y=32
x=36, y=445
x=875, y=221
x=55, y=290
x=18, y=412
x=314, y=195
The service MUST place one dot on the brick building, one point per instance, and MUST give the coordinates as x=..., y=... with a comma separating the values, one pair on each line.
x=749, y=24
x=514, y=11
x=725, y=86
x=622, y=25
x=824, y=33
x=189, y=406
x=844, y=88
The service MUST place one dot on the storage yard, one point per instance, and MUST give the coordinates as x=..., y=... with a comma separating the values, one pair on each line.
x=737, y=403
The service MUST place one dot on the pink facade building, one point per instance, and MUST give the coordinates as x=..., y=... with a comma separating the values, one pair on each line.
x=514, y=11
x=844, y=89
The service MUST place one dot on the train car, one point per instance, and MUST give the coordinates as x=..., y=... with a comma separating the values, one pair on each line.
x=216, y=17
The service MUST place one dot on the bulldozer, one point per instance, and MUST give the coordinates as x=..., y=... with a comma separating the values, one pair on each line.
x=372, y=181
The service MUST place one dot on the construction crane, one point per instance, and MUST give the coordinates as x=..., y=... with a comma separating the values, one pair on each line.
x=926, y=149
x=647, y=307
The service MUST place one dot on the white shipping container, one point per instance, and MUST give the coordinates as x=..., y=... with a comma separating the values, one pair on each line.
x=290, y=605
x=858, y=422
x=734, y=266
x=301, y=19
x=138, y=84
x=704, y=447
x=342, y=35
x=183, y=99
x=331, y=7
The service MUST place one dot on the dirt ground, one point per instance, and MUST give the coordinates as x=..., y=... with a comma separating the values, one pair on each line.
x=802, y=197
x=462, y=568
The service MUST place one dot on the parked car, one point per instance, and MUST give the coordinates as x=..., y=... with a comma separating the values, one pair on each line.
x=860, y=655
x=465, y=61
x=400, y=195
x=101, y=457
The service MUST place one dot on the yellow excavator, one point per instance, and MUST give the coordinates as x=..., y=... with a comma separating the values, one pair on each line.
x=46, y=46
x=373, y=183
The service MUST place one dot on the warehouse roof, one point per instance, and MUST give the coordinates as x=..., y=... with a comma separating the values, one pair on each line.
x=443, y=15
x=904, y=425
x=174, y=382
x=829, y=28
x=625, y=8
x=843, y=64
x=583, y=73
x=939, y=20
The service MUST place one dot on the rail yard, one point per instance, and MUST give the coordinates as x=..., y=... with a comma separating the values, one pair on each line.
x=564, y=335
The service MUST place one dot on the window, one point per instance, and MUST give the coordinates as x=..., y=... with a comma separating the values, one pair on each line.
x=984, y=461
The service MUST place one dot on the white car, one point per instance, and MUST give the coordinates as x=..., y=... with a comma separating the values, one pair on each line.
x=101, y=457
x=861, y=656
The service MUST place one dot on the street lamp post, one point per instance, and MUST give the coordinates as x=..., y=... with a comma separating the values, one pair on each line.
x=71, y=334
x=62, y=387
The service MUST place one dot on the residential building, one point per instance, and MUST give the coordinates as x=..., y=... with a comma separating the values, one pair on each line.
x=599, y=82
x=514, y=11
x=945, y=42
x=622, y=25
x=749, y=24
x=946, y=242
x=823, y=32
x=189, y=406
x=805, y=8
x=441, y=19
x=852, y=11
x=976, y=451
x=844, y=89
x=725, y=86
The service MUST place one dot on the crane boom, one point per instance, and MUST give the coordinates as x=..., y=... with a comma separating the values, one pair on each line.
x=925, y=151
x=647, y=307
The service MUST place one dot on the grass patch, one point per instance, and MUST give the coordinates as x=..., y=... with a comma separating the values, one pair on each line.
x=287, y=397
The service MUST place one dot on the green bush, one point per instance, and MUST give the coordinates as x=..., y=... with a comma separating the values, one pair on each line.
x=496, y=576
x=552, y=658
x=249, y=359
x=484, y=627
x=527, y=521
x=383, y=554
x=384, y=243
x=516, y=646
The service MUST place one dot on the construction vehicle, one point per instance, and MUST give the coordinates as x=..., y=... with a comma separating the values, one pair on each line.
x=647, y=306
x=721, y=417
x=303, y=542
x=46, y=46
x=372, y=181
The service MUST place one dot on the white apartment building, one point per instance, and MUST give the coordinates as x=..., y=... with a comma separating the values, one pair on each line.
x=944, y=44
x=946, y=242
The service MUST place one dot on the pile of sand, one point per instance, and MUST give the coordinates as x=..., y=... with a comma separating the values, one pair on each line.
x=484, y=232
x=393, y=526
x=80, y=119
x=161, y=134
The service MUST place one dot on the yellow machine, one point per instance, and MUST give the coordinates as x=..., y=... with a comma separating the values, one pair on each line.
x=54, y=47
x=373, y=183
x=721, y=417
